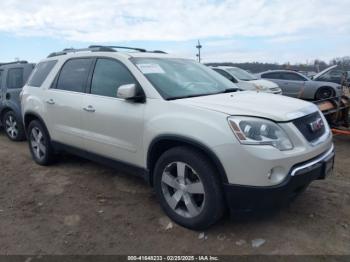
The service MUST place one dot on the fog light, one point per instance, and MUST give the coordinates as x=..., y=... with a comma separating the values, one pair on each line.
x=277, y=175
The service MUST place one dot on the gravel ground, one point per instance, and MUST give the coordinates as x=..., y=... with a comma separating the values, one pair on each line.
x=79, y=207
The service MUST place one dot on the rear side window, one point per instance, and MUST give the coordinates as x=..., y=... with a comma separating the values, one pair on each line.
x=108, y=76
x=272, y=76
x=74, y=74
x=15, y=78
x=293, y=77
x=40, y=73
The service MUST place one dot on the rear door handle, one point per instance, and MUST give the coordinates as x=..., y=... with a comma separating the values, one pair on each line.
x=50, y=102
x=90, y=109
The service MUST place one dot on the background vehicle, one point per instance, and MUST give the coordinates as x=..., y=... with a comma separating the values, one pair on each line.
x=247, y=81
x=335, y=75
x=297, y=85
x=12, y=78
x=184, y=128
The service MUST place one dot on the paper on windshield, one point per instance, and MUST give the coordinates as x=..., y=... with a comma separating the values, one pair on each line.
x=150, y=68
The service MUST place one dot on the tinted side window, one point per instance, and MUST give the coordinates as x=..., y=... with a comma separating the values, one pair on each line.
x=74, y=74
x=293, y=77
x=108, y=76
x=15, y=78
x=40, y=73
x=271, y=76
x=225, y=74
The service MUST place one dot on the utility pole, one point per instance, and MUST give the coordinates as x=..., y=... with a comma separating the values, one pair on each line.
x=198, y=46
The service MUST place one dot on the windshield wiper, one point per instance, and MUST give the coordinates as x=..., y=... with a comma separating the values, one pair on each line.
x=188, y=96
x=230, y=90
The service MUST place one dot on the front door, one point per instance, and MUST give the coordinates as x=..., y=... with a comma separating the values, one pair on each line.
x=113, y=127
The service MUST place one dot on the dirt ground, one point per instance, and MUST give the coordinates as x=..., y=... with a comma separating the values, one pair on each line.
x=79, y=207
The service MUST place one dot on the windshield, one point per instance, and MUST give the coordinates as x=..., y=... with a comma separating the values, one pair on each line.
x=180, y=78
x=241, y=74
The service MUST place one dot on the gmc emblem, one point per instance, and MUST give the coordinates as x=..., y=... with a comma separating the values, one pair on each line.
x=316, y=125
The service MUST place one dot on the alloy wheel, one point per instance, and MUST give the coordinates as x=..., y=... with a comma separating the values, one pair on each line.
x=183, y=189
x=11, y=127
x=37, y=143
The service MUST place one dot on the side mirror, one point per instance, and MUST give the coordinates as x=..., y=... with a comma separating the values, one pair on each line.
x=126, y=91
x=130, y=92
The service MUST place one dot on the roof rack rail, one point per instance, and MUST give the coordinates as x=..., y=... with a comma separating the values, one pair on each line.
x=130, y=48
x=15, y=62
x=119, y=47
x=101, y=48
x=90, y=48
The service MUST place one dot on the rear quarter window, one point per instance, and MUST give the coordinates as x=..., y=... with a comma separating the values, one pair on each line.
x=40, y=73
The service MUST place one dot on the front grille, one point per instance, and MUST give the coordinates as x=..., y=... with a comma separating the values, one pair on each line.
x=304, y=126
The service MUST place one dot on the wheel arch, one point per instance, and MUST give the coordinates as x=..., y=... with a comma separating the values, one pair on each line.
x=31, y=116
x=334, y=91
x=6, y=109
x=163, y=143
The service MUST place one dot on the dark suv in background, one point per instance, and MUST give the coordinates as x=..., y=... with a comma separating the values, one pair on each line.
x=13, y=76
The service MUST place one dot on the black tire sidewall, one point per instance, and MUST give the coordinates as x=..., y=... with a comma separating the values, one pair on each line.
x=321, y=90
x=49, y=152
x=21, y=134
x=214, y=201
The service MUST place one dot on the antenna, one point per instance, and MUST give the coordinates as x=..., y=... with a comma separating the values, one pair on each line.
x=199, y=46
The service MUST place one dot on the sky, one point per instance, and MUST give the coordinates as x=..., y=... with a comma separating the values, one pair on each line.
x=296, y=31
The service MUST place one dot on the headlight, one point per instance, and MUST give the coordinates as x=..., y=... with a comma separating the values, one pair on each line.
x=257, y=131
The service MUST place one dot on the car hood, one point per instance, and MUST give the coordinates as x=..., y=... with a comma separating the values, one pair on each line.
x=250, y=103
x=324, y=71
x=264, y=83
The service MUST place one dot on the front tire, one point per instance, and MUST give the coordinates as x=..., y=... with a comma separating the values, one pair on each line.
x=13, y=127
x=188, y=188
x=40, y=144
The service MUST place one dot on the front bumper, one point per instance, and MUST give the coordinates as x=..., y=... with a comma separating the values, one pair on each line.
x=253, y=198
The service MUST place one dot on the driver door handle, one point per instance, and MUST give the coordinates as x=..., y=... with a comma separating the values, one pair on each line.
x=90, y=109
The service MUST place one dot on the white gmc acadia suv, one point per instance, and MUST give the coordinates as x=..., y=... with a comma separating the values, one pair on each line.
x=204, y=146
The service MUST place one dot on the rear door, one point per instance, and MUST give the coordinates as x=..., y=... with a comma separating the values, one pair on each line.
x=64, y=102
x=277, y=78
x=295, y=84
x=113, y=126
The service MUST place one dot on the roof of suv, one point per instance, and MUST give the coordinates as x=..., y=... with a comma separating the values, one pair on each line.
x=12, y=64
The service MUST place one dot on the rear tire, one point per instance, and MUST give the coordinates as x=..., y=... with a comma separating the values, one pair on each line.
x=324, y=92
x=13, y=127
x=188, y=188
x=40, y=144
